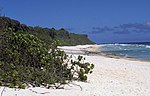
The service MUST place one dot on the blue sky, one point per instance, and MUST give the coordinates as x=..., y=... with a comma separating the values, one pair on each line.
x=92, y=17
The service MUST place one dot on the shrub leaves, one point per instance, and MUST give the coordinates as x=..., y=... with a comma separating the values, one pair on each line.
x=26, y=60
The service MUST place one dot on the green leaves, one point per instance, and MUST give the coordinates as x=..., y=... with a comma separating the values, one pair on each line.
x=25, y=59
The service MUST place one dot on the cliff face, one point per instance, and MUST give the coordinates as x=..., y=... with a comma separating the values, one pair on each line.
x=46, y=34
x=15, y=25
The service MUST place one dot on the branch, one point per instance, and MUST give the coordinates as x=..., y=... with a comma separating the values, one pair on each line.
x=3, y=91
x=38, y=92
x=77, y=85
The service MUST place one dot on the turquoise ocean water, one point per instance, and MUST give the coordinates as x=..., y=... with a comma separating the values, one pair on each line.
x=137, y=51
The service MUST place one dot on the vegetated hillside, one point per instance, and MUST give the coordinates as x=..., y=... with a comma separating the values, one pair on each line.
x=46, y=34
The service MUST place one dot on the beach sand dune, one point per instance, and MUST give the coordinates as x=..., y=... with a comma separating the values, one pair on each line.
x=110, y=77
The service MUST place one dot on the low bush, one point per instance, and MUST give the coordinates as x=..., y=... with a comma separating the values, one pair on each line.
x=26, y=60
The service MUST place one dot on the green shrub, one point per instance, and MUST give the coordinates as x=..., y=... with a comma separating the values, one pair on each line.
x=27, y=60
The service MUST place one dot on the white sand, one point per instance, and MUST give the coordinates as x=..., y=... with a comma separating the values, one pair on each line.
x=110, y=77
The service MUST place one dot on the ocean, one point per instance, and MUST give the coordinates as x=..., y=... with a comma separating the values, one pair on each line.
x=140, y=51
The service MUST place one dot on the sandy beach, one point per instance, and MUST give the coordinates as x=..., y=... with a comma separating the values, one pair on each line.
x=110, y=77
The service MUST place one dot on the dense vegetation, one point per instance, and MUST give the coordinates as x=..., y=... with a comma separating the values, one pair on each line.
x=45, y=34
x=27, y=58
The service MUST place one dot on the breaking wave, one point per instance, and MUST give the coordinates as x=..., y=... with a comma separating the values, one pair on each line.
x=138, y=51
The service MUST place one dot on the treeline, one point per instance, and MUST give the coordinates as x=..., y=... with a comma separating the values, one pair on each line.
x=46, y=34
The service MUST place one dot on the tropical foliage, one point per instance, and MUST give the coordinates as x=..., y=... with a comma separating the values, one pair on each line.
x=27, y=60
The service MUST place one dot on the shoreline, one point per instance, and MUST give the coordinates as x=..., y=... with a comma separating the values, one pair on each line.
x=95, y=49
x=114, y=76
x=110, y=77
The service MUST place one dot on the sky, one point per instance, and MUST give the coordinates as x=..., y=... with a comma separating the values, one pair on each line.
x=105, y=21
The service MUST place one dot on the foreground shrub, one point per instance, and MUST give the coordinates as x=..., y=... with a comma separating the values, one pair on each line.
x=27, y=60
